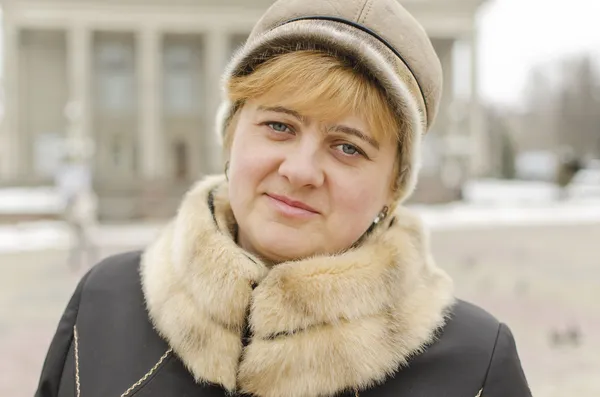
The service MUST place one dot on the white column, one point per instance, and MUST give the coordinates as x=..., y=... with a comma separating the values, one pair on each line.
x=12, y=153
x=217, y=52
x=150, y=138
x=480, y=158
x=451, y=172
x=78, y=110
x=448, y=96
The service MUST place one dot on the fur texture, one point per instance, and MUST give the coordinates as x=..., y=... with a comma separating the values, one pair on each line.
x=319, y=325
x=376, y=60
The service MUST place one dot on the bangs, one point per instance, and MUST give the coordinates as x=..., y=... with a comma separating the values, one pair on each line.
x=319, y=86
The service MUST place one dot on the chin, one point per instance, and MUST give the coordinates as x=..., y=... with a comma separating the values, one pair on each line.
x=280, y=246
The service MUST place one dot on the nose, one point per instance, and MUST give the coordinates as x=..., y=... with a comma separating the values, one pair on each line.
x=302, y=167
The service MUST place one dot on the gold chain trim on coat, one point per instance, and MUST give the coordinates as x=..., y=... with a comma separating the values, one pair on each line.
x=77, y=382
x=133, y=387
x=147, y=375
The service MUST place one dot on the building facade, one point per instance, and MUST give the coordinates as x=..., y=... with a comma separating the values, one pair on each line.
x=136, y=85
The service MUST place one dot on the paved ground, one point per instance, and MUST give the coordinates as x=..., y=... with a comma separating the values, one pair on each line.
x=34, y=290
x=542, y=281
x=539, y=280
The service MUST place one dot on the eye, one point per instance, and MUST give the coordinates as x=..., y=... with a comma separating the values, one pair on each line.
x=349, y=150
x=278, y=127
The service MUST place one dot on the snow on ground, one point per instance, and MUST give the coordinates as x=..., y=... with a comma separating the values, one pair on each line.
x=464, y=215
x=35, y=236
x=488, y=203
x=505, y=192
x=39, y=200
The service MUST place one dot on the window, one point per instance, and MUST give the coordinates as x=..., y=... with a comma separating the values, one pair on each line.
x=115, y=76
x=116, y=151
x=182, y=78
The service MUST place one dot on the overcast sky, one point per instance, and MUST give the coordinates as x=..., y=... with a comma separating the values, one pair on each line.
x=518, y=34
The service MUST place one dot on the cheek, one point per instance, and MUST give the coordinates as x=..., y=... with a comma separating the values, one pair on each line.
x=249, y=163
x=354, y=211
x=358, y=200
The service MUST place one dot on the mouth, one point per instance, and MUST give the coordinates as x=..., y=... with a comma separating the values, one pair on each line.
x=292, y=207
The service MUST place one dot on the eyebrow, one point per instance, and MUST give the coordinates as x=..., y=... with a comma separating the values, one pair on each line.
x=281, y=109
x=357, y=133
x=339, y=128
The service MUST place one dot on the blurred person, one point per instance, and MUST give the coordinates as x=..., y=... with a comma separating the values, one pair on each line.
x=298, y=272
x=79, y=205
x=568, y=166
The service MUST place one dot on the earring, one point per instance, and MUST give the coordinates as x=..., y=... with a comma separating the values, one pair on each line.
x=226, y=171
x=381, y=216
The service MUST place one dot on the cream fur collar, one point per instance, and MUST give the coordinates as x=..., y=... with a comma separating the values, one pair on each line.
x=319, y=325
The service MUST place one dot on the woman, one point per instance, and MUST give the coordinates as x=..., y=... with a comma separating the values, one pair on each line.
x=298, y=272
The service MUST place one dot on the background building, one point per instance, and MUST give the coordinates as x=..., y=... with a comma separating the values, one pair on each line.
x=136, y=85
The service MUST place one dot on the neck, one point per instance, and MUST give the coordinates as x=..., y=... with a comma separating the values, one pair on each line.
x=243, y=241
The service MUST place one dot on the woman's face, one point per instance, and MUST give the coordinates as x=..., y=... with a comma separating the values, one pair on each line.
x=301, y=187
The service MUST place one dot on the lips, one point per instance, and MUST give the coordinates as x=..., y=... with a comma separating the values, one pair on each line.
x=293, y=203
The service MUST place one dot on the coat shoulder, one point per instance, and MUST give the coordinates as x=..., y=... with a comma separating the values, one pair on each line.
x=113, y=293
x=474, y=351
x=114, y=328
x=476, y=332
x=468, y=337
x=456, y=362
x=467, y=319
x=117, y=271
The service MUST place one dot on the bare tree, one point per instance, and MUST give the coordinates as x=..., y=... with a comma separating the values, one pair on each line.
x=579, y=111
x=561, y=116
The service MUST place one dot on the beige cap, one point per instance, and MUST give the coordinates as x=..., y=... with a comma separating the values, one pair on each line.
x=380, y=35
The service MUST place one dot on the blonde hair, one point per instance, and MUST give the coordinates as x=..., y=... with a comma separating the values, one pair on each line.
x=317, y=85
